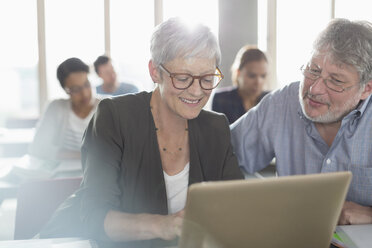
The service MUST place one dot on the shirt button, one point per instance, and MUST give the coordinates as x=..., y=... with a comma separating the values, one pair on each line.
x=328, y=161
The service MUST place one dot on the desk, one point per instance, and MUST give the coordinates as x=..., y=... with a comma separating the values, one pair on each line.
x=49, y=243
x=10, y=179
x=14, y=142
x=7, y=189
x=356, y=236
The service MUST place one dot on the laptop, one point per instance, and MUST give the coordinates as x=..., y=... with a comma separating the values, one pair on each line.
x=293, y=211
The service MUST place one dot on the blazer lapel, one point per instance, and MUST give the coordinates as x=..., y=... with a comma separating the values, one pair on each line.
x=196, y=171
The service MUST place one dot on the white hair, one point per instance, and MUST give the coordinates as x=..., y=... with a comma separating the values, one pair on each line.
x=174, y=39
x=348, y=42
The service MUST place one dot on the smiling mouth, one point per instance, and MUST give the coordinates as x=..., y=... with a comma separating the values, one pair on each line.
x=315, y=101
x=189, y=101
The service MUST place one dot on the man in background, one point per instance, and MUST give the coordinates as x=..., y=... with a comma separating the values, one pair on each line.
x=110, y=85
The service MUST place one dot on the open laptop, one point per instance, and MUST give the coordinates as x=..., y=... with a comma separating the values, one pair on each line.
x=294, y=211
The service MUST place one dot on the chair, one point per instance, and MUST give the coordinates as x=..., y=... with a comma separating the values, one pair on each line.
x=37, y=201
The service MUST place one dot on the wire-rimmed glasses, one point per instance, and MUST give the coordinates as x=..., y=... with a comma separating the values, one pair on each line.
x=313, y=73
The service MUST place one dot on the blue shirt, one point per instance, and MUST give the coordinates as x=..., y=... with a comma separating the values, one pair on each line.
x=228, y=102
x=278, y=128
x=124, y=88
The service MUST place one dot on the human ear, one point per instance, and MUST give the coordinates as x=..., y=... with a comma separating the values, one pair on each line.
x=238, y=76
x=238, y=73
x=367, y=90
x=154, y=73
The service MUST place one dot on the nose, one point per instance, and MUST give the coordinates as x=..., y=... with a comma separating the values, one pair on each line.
x=318, y=87
x=113, y=75
x=259, y=80
x=263, y=78
x=195, y=88
x=86, y=91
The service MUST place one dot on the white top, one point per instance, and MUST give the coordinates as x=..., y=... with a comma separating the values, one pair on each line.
x=74, y=131
x=176, y=188
x=50, y=131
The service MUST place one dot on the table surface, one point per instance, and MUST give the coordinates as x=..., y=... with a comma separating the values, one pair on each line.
x=49, y=243
x=9, y=183
x=7, y=189
x=16, y=136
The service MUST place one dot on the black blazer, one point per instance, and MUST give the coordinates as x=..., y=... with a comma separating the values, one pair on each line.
x=123, y=170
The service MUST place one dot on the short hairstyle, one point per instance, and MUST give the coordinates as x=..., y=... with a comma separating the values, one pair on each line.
x=101, y=60
x=69, y=66
x=174, y=39
x=348, y=42
x=246, y=54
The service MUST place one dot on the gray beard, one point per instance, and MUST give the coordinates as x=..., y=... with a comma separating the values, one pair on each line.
x=330, y=116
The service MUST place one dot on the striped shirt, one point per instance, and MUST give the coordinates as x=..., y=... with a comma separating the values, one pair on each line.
x=278, y=128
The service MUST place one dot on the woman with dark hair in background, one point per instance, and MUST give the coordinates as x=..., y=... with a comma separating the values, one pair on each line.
x=59, y=133
x=249, y=72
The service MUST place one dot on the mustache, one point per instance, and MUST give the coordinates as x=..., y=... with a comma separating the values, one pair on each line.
x=316, y=98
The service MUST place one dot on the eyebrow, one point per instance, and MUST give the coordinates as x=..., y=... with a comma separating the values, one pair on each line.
x=201, y=74
x=339, y=76
x=211, y=71
x=314, y=64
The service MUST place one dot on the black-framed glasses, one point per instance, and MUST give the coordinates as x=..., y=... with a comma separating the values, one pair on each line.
x=313, y=73
x=74, y=90
x=182, y=81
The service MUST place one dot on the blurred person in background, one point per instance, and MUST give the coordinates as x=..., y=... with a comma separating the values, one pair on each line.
x=110, y=85
x=249, y=73
x=60, y=130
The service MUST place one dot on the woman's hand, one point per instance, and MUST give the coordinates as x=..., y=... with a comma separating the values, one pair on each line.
x=168, y=227
x=120, y=226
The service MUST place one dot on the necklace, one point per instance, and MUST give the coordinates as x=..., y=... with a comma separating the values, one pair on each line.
x=164, y=147
x=179, y=147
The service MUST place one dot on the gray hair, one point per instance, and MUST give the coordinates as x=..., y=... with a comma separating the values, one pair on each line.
x=348, y=42
x=174, y=39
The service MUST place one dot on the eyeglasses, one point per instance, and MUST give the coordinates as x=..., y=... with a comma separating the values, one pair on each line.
x=313, y=73
x=74, y=90
x=182, y=81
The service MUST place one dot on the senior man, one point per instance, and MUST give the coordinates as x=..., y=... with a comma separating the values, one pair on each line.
x=323, y=123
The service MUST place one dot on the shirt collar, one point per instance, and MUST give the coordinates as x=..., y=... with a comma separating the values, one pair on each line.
x=302, y=115
x=363, y=105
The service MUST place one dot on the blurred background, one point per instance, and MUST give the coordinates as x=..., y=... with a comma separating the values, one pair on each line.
x=37, y=35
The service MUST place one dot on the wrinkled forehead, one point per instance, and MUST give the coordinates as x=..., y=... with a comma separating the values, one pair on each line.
x=190, y=54
x=325, y=61
x=324, y=57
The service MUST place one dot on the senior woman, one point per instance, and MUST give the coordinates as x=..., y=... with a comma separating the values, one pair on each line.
x=141, y=151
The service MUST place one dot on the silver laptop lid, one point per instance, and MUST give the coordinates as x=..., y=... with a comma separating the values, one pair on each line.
x=294, y=211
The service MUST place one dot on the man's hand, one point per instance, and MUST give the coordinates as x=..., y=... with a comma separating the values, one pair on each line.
x=353, y=213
